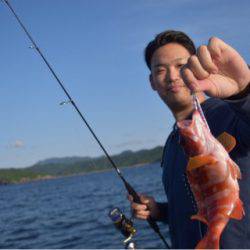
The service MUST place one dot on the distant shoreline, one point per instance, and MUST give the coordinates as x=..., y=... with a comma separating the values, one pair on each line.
x=70, y=166
x=79, y=174
x=111, y=169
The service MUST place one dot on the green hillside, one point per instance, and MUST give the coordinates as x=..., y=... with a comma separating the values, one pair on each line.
x=56, y=167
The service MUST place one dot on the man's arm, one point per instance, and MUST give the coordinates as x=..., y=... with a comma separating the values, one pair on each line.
x=241, y=102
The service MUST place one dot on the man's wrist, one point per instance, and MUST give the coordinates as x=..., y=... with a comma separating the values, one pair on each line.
x=245, y=92
x=163, y=211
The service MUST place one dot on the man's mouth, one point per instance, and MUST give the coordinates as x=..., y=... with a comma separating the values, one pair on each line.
x=174, y=88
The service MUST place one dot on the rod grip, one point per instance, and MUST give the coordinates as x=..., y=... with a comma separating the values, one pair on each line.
x=137, y=199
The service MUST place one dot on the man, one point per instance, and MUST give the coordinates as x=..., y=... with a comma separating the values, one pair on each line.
x=220, y=72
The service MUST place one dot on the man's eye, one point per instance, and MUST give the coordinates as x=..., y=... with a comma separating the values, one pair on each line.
x=159, y=71
x=180, y=65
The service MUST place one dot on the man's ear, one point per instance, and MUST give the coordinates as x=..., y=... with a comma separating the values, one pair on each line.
x=152, y=82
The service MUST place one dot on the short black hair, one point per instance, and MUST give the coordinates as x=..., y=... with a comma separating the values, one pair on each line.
x=168, y=36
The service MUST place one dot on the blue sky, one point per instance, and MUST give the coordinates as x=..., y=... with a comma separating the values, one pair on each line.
x=96, y=47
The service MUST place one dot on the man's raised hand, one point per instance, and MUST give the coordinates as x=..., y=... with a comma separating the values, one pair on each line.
x=217, y=69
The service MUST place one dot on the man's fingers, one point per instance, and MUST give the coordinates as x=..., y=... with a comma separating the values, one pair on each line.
x=205, y=60
x=143, y=215
x=195, y=66
x=145, y=199
x=142, y=210
x=190, y=79
x=214, y=47
x=194, y=84
x=137, y=206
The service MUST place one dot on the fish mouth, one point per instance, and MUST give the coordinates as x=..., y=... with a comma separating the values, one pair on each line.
x=184, y=124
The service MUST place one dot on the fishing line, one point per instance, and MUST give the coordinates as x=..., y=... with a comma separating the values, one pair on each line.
x=197, y=107
x=128, y=187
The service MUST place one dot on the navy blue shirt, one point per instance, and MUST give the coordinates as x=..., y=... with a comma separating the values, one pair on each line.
x=233, y=117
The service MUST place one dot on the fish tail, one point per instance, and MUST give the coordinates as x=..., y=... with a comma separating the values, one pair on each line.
x=212, y=237
x=209, y=242
x=202, y=244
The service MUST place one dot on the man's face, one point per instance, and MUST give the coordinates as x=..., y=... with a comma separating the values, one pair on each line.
x=165, y=75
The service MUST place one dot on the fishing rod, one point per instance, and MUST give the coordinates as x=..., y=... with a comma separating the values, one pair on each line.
x=152, y=223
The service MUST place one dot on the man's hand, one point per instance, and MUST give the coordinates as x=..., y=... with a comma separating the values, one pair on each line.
x=217, y=69
x=148, y=207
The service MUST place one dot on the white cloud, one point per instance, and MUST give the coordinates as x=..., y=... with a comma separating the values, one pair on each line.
x=18, y=144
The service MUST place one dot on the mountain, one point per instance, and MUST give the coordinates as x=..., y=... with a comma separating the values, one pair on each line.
x=55, y=167
x=64, y=160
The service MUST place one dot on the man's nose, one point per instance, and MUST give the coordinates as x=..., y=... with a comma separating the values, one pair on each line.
x=173, y=74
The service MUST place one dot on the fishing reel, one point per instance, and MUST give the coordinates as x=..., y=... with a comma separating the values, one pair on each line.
x=124, y=225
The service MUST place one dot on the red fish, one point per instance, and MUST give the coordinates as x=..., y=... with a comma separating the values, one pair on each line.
x=213, y=178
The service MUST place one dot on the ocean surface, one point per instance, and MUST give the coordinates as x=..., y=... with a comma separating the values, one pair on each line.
x=72, y=212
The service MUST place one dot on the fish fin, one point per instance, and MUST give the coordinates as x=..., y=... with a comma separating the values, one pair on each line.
x=227, y=140
x=238, y=211
x=235, y=170
x=200, y=218
x=199, y=161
